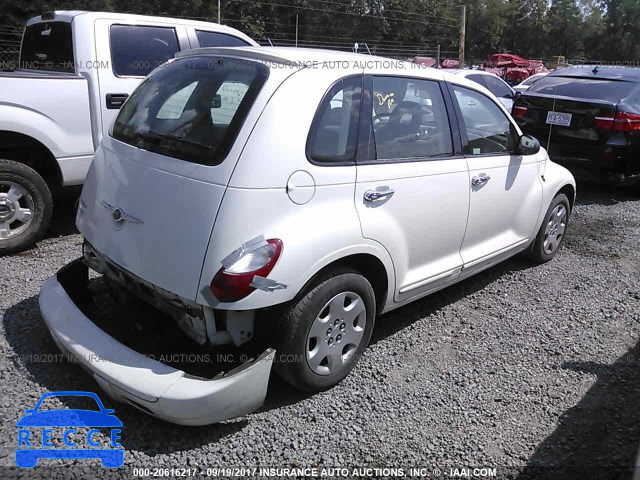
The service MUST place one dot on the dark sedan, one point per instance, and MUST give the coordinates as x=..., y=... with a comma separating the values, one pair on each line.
x=588, y=117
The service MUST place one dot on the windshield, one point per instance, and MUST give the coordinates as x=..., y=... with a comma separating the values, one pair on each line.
x=48, y=46
x=588, y=88
x=191, y=108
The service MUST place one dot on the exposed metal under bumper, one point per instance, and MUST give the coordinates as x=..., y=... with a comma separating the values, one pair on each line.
x=128, y=376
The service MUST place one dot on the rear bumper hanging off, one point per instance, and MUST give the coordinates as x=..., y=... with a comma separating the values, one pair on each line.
x=128, y=376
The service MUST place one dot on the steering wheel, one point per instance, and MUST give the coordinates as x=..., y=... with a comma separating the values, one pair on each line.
x=474, y=134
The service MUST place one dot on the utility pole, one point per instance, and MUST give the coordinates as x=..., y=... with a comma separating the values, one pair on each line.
x=296, y=29
x=438, y=57
x=219, y=16
x=463, y=21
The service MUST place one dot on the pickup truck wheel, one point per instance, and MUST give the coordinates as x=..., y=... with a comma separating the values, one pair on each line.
x=553, y=230
x=324, y=333
x=25, y=206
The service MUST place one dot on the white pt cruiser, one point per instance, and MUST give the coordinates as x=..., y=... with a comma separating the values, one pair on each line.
x=332, y=186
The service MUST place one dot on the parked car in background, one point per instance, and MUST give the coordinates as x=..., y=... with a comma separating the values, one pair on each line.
x=493, y=83
x=524, y=85
x=76, y=70
x=265, y=231
x=589, y=117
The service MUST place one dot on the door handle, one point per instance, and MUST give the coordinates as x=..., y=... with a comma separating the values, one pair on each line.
x=116, y=100
x=378, y=193
x=480, y=180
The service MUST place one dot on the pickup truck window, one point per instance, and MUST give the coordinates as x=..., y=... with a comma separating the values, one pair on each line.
x=136, y=49
x=217, y=39
x=48, y=46
x=192, y=108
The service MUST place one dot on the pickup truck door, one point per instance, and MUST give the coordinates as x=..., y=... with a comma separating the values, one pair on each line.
x=412, y=191
x=505, y=187
x=126, y=53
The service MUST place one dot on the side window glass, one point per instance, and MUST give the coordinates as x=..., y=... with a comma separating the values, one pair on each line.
x=479, y=79
x=409, y=119
x=136, y=50
x=217, y=39
x=498, y=87
x=334, y=131
x=488, y=128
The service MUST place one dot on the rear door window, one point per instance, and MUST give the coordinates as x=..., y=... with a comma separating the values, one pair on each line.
x=192, y=108
x=217, y=39
x=48, y=46
x=137, y=49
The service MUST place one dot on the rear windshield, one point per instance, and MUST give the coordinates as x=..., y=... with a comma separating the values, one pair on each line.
x=48, y=46
x=589, y=88
x=192, y=108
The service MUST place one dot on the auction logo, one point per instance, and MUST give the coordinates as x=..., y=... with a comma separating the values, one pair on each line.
x=39, y=428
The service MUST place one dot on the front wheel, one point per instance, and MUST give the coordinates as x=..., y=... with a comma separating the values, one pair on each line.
x=25, y=206
x=322, y=336
x=553, y=230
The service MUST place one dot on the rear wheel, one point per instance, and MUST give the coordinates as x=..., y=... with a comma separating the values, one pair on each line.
x=25, y=206
x=322, y=336
x=552, y=232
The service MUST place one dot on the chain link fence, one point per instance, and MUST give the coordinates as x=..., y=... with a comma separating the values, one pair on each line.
x=10, y=37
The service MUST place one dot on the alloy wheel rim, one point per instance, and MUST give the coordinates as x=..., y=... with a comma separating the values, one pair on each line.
x=554, y=231
x=336, y=333
x=16, y=209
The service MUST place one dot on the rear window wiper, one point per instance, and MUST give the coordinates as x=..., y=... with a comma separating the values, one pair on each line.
x=155, y=137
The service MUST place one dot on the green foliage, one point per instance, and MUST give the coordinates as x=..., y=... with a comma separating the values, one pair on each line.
x=577, y=29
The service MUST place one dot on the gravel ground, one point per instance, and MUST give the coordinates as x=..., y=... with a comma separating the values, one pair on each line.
x=518, y=368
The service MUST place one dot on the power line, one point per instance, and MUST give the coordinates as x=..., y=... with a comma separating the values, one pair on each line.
x=353, y=14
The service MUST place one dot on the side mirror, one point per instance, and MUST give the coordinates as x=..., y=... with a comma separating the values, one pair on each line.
x=528, y=145
x=216, y=101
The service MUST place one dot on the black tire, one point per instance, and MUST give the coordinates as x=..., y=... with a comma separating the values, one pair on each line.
x=538, y=253
x=294, y=326
x=40, y=196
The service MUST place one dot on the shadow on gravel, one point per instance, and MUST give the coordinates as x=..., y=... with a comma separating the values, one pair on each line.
x=599, y=437
x=34, y=349
x=590, y=193
x=63, y=222
x=403, y=317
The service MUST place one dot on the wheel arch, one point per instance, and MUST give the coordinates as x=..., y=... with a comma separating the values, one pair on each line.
x=29, y=151
x=570, y=191
x=368, y=265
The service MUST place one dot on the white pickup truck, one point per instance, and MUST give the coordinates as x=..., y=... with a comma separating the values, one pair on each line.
x=76, y=70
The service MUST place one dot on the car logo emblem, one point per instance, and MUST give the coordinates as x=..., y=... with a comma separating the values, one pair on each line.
x=119, y=215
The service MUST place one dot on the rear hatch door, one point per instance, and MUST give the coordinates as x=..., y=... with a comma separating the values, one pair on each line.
x=154, y=189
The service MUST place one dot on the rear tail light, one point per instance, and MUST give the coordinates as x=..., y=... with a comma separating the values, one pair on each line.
x=519, y=111
x=233, y=281
x=622, y=122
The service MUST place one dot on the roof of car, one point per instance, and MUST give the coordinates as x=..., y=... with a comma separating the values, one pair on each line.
x=69, y=15
x=289, y=54
x=314, y=58
x=599, y=71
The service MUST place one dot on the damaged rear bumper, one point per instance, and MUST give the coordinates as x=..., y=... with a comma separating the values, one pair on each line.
x=128, y=376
